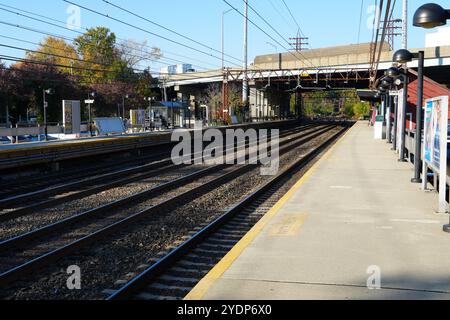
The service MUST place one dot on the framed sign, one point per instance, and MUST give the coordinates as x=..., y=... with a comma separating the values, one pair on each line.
x=400, y=119
x=435, y=143
x=71, y=117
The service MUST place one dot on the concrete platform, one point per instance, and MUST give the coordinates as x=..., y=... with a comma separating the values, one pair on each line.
x=354, y=214
x=36, y=153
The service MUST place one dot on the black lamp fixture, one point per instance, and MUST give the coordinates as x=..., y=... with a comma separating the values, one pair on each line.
x=431, y=15
x=404, y=56
x=382, y=90
x=387, y=82
x=91, y=97
x=401, y=77
x=393, y=72
x=46, y=92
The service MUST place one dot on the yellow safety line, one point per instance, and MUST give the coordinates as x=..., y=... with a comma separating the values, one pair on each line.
x=207, y=282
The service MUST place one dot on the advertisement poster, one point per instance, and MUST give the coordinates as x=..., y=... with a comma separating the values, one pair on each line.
x=435, y=142
x=137, y=117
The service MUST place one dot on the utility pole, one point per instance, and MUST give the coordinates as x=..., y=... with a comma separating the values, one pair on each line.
x=405, y=25
x=223, y=37
x=245, y=82
x=299, y=42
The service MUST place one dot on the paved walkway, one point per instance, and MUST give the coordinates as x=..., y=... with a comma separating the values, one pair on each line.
x=355, y=212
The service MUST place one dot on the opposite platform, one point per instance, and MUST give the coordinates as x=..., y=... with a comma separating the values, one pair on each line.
x=354, y=214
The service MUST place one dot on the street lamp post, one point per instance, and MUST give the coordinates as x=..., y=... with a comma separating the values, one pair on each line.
x=387, y=84
x=403, y=78
x=90, y=101
x=393, y=73
x=44, y=92
x=150, y=109
x=123, y=105
x=404, y=56
x=172, y=114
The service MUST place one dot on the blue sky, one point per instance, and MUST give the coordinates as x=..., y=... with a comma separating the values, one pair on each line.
x=325, y=22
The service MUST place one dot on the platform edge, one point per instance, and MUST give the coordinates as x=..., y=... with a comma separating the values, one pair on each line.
x=208, y=281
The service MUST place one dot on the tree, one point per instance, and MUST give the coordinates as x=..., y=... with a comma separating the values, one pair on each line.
x=214, y=98
x=133, y=53
x=97, y=46
x=361, y=109
x=56, y=51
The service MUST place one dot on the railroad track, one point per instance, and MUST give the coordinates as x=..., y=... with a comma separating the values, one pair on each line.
x=43, y=181
x=41, y=252
x=40, y=182
x=24, y=204
x=49, y=252
x=176, y=274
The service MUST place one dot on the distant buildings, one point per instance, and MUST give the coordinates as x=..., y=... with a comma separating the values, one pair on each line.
x=176, y=69
x=439, y=38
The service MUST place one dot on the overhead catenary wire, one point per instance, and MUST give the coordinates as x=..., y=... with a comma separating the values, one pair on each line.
x=267, y=34
x=168, y=29
x=31, y=61
x=388, y=14
x=267, y=23
x=283, y=18
x=64, y=27
x=92, y=81
x=68, y=39
x=292, y=16
x=149, y=32
x=298, y=26
x=360, y=21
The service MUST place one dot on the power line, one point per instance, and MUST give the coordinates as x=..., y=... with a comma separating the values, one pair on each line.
x=293, y=18
x=75, y=31
x=60, y=56
x=148, y=32
x=283, y=18
x=360, y=20
x=302, y=34
x=168, y=29
x=259, y=28
x=266, y=22
x=71, y=39
x=18, y=59
x=66, y=76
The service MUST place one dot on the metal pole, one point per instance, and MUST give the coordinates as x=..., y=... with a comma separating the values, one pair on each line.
x=245, y=82
x=123, y=107
x=389, y=118
x=45, y=117
x=7, y=115
x=394, y=136
x=223, y=40
x=90, y=121
x=405, y=25
x=223, y=37
x=418, y=151
x=403, y=124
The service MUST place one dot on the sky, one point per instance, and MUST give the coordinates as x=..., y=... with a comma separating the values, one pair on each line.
x=325, y=22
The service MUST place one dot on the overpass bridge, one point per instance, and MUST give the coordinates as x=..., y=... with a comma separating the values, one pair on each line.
x=272, y=77
x=342, y=63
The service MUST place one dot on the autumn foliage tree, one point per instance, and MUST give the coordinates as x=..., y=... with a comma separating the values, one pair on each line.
x=93, y=62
